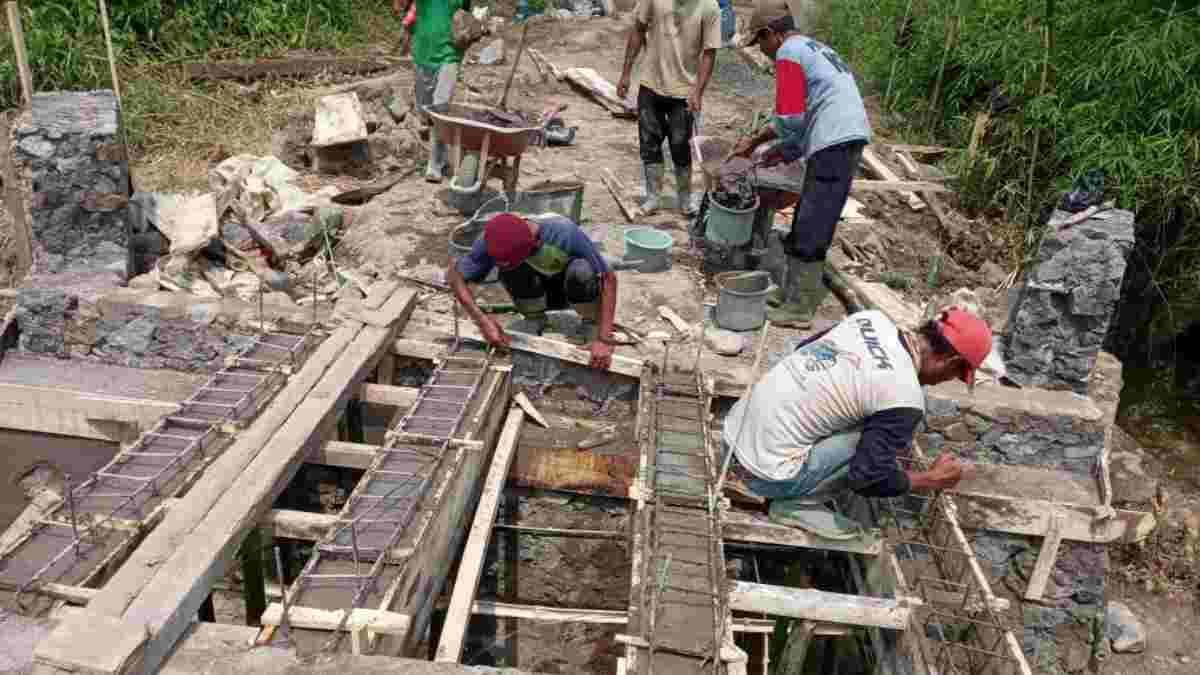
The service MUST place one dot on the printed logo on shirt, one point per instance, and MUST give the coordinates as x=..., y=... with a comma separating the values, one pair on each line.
x=871, y=339
x=824, y=355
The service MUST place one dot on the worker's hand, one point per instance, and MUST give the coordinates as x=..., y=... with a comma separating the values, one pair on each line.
x=623, y=87
x=601, y=354
x=945, y=472
x=493, y=333
x=398, y=8
x=744, y=148
x=695, y=101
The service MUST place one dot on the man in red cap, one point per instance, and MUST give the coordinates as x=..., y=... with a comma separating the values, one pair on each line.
x=833, y=416
x=548, y=264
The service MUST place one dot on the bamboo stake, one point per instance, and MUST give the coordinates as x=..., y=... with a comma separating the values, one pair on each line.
x=13, y=8
x=112, y=61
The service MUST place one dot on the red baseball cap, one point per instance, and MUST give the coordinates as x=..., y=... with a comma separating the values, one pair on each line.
x=970, y=337
x=509, y=240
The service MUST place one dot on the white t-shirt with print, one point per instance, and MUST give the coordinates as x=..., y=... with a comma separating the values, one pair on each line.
x=828, y=386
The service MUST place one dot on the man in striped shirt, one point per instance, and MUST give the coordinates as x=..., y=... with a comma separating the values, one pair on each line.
x=819, y=118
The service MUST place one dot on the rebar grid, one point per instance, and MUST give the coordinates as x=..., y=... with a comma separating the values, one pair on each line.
x=710, y=541
x=957, y=626
x=410, y=488
x=193, y=444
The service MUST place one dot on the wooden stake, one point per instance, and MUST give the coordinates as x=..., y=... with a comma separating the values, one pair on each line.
x=13, y=8
x=516, y=62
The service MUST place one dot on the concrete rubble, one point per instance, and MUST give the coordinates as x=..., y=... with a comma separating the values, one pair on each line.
x=1124, y=629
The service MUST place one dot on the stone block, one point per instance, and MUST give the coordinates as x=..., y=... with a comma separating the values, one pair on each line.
x=997, y=424
x=67, y=152
x=339, y=119
x=1063, y=310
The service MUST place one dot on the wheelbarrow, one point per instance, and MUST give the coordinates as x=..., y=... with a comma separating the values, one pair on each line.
x=461, y=128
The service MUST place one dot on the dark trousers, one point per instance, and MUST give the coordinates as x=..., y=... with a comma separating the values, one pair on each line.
x=577, y=284
x=662, y=117
x=826, y=187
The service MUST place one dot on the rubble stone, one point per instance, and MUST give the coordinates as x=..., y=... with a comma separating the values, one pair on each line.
x=1124, y=629
x=1064, y=308
x=69, y=152
x=724, y=342
x=492, y=54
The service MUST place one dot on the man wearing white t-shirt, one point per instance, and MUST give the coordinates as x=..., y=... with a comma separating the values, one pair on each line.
x=832, y=416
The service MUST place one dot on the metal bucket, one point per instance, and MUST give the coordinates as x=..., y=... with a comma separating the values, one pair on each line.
x=563, y=198
x=742, y=299
x=650, y=246
x=728, y=226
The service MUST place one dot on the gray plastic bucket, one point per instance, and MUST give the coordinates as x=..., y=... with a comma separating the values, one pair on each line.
x=650, y=246
x=728, y=226
x=742, y=299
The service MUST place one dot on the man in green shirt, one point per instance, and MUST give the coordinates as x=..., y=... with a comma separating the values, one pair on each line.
x=435, y=62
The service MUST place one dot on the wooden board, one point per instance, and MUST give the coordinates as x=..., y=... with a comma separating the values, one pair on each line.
x=386, y=394
x=301, y=525
x=877, y=167
x=343, y=454
x=622, y=365
x=739, y=526
x=808, y=603
x=63, y=412
x=1033, y=517
x=170, y=576
x=386, y=623
x=470, y=565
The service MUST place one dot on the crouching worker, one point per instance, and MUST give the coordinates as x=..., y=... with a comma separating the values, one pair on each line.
x=832, y=416
x=544, y=265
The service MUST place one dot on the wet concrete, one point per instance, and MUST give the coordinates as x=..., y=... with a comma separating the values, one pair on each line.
x=23, y=452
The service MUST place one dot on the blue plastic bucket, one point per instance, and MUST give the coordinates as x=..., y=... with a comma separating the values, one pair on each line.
x=650, y=246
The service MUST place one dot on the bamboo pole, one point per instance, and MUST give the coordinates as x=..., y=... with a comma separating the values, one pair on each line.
x=13, y=8
x=112, y=61
x=1048, y=44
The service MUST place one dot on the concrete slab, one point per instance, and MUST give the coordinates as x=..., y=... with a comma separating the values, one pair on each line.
x=89, y=642
x=97, y=378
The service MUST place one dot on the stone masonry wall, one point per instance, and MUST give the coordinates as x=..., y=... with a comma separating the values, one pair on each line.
x=69, y=157
x=1063, y=311
x=1035, y=427
x=1064, y=631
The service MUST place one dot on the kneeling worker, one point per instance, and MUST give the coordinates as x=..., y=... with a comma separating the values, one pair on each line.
x=543, y=265
x=833, y=416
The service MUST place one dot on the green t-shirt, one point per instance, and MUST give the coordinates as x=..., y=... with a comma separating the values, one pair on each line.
x=431, y=43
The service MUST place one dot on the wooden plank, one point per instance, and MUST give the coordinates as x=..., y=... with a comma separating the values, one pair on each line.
x=1032, y=518
x=302, y=525
x=14, y=203
x=1045, y=560
x=386, y=394
x=530, y=409
x=294, y=67
x=622, y=365
x=675, y=320
x=13, y=9
x=809, y=603
x=568, y=534
x=920, y=149
x=470, y=566
x=897, y=185
x=877, y=167
x=739, y=526
x=190, y=559
x=64, y=412
x=617, y=190
x=417, y=349
x=344, y=454
x=374, y=620
x=506, y=610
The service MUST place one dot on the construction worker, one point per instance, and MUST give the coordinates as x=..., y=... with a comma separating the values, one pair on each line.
x=436, y=61
x=820, y=119
x=681, y=38
x=543, y=265
x=833, y=416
